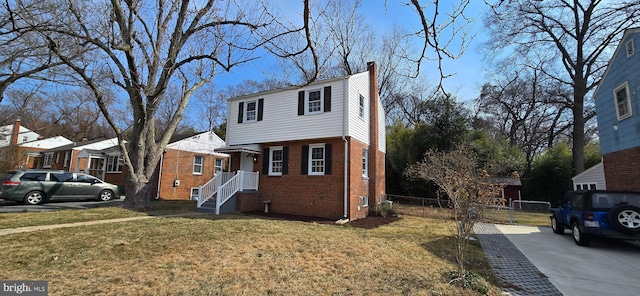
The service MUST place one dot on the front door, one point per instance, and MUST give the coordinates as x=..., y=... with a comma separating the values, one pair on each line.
x=246, y=162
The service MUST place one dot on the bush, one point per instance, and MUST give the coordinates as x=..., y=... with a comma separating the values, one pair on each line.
x=384, y=209
x=471, y=281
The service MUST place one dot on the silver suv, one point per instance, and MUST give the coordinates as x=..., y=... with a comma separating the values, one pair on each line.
x=37, y=186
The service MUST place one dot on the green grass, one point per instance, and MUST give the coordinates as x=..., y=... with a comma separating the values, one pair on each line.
x=241, y=255
x=13, y=220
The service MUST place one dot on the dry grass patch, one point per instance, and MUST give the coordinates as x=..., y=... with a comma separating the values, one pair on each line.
x=13, y=220
x=501, y=216
x=240, y=255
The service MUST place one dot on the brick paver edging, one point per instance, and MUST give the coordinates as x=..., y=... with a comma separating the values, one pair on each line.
x=516, y=274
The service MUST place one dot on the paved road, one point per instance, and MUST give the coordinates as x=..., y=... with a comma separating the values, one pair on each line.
x=14, y=207
x=606, y=268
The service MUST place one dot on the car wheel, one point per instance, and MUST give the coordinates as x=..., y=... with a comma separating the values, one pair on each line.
x=105, y=195
x=557, y=228
x=34, y=198
x=625, y=218
x=580, y=238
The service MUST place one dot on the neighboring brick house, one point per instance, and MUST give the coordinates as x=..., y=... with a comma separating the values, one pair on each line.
x=100, y=158
x=29, y=152
x=617, y=101
x=188, y=163
x=319, y=149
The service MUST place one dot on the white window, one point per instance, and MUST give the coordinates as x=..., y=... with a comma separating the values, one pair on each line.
x=586, y=186
x=365, y=162
x=48, y=158
x=67, y=158
x=195, y=191
x=25, y=139
x=314, y=102
x=622, y=100
x=276, y=160
x=251, y=113
x=365, y=201
x=630, y=48
x=316, y=159
x=219, y=165
x=57, y=157
x=362, y=107
x=114, y=163
x=198, y=162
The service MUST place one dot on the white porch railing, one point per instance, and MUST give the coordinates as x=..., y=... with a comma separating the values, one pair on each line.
x=209, y=189
x=240, y=181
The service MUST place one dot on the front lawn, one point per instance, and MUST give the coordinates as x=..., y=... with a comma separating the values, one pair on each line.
x=241, y=255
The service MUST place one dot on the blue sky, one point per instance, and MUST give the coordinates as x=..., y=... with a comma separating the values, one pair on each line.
x=469, y=70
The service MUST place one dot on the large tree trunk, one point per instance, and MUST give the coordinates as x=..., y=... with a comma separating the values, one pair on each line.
x=578, y=125
x=138, y=193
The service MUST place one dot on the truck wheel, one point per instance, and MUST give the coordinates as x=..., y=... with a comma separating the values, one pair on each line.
x=557, y=228
x=580, y=238
x=625, y=218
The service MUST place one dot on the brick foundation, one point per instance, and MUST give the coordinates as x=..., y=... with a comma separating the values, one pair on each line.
x=621, y=169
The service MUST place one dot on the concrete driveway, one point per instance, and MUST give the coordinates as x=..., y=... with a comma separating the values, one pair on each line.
x=605, y=268
x=14, y=207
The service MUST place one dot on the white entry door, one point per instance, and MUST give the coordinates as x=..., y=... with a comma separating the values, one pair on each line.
x=246, y=162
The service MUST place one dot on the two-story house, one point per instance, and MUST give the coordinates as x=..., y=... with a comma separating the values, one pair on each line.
x=617, y=101
x=316, y=150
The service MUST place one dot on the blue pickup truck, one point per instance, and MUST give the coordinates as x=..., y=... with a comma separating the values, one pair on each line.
x=598, y=213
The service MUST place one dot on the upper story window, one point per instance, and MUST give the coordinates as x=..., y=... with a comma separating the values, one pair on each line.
x=250, y=111
x=361, y=107
x=25, y=139
x=48, y=158
x=198, y=162
x=622, y=101
x=114, y=163
x=250, y=114
x=314, y=101
x=630, y=48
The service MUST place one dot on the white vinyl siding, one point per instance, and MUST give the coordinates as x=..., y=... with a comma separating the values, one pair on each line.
x=592, y=175
x=358, y=127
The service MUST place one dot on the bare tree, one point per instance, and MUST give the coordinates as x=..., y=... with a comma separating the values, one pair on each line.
x=577, y=34
x=468, y=187
x=139, y=51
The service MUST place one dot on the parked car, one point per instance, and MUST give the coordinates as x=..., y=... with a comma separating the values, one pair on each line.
x=38, y=186
x=598, y=213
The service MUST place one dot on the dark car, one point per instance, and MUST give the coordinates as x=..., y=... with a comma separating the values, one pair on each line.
x=37, y=186
x=598, y=213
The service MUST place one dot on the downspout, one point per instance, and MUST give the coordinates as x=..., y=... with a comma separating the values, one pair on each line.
x=159, y=176
x=345, y=114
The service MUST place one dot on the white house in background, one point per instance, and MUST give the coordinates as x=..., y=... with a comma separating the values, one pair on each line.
x=16, y=134
x=29, y=151
x=590, y=179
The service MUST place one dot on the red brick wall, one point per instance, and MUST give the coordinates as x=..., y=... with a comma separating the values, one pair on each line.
x=376, y=157
x=358, y=185
x=297, y=194
x=621, y=169
x=178, y=164
x=249, y=201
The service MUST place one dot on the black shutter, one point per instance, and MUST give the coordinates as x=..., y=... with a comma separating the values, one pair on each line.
x=285, y=160
x=265, y=161
x=240, y=111
x=260, y=108
x=327, y=99
x=301, y=102
x=327, y=159
x=304, y=165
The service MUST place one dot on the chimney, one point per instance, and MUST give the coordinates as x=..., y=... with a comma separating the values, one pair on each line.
x=15, y=132
x=376, y=157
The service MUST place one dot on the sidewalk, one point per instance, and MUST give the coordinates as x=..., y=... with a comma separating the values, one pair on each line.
x=9, y=231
